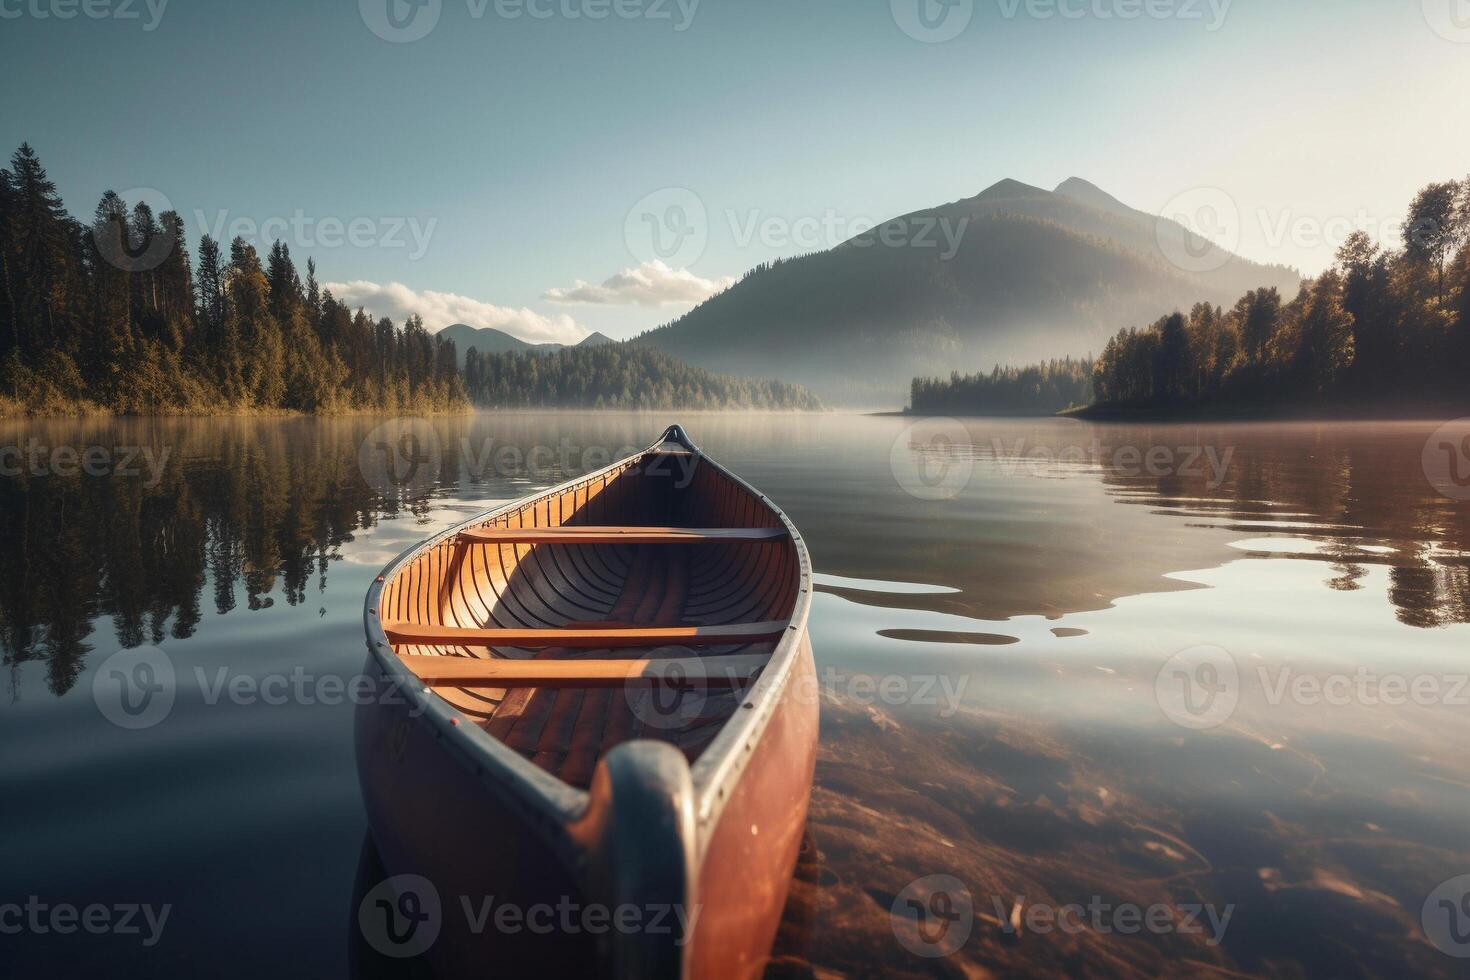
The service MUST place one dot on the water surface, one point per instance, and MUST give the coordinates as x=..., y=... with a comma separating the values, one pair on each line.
x=998, y=605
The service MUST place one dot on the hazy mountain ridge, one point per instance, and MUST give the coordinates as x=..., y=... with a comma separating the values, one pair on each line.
x=488, y=340
x=1036, y=274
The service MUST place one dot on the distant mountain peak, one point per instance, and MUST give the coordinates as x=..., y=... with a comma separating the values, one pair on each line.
x=1009, y=187
x=489, y=340
x=595, y=339
x=1086, y=192
x=1076, y=185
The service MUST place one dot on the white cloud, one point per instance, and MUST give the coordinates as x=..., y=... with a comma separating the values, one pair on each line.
x=651, y=284
x=439, y=310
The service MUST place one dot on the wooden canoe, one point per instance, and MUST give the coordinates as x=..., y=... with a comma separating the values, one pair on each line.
x=597, y=697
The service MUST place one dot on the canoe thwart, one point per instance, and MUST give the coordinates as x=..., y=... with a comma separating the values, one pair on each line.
x=624, y=534
x=682, y=672
x=595, y=638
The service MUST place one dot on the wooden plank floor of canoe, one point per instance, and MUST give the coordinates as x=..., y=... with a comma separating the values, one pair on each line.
x=566, y=731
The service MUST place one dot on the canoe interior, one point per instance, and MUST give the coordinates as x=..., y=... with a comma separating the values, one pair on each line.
x=464, y=583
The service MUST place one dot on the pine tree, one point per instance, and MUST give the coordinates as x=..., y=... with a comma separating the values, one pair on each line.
x=211, y=292
x=176, y=285
x=313, y=292
x=112, y=341
x=285, y=286
x=35, y=240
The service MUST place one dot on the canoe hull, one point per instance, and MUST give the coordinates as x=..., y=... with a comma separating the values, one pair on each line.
x=432, y=815
x=745, y=875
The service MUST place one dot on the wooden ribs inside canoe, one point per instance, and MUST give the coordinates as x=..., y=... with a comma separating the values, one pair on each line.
x=559, y=603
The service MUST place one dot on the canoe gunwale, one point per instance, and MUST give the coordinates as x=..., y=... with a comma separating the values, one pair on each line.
x=547, y=804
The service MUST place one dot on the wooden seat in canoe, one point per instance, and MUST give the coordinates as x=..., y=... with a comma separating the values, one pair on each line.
x=622, y=534
x=625, y=636
x=500, y=673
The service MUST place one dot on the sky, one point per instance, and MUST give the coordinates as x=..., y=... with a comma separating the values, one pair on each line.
x=553, y=167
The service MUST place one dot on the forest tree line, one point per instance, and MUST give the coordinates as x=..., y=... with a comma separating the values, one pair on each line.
x=1039, y=389
x=111, y=316
x=1381, y=328
x=627, y=376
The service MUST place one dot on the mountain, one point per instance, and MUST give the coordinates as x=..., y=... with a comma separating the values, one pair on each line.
x=488, y=340
x=1012, y=275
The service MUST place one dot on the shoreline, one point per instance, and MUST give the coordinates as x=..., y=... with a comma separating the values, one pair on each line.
x=244, y=413
x=108, y=415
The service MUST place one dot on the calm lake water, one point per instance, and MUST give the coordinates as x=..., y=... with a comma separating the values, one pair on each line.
x=1194, y=683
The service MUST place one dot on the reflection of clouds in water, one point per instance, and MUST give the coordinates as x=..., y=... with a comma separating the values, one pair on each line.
x=1281, y=527
x=875, y=585
x=472, y=507
x=390, y=538
x=374, y=559
x=1304, y=546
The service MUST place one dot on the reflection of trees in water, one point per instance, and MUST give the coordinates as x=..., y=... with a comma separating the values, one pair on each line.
x=1346, y=489
x=244, y=507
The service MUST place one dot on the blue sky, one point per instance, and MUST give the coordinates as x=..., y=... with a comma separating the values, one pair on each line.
x=497, y=159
